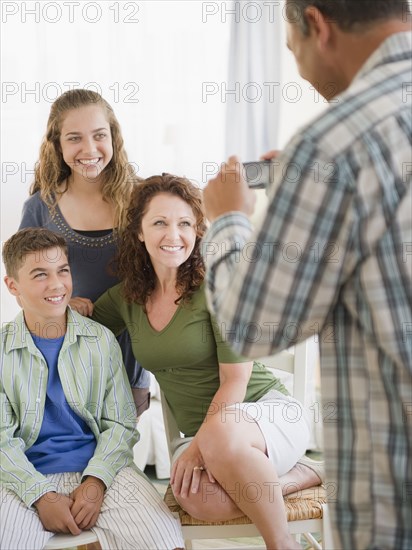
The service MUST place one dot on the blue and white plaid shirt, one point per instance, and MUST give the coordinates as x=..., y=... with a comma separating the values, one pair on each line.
x=333, y=257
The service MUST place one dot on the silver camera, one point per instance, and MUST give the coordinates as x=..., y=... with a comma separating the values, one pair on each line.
x=259, y=174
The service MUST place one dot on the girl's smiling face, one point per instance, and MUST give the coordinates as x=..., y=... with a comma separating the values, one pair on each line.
x=86, y=142
x=168, y=231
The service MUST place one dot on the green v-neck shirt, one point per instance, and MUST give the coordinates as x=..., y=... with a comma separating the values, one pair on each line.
x=184, y=356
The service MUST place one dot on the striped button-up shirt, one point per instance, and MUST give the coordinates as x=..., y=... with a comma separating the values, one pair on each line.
x=331, y=259
x=96, y=388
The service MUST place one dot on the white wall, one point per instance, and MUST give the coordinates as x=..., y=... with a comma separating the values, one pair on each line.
x=150, y=60
x=298, y=105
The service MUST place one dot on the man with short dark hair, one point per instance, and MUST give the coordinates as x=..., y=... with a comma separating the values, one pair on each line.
x=333, y=256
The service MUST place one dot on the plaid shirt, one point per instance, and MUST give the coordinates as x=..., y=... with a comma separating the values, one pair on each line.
x=332, y=260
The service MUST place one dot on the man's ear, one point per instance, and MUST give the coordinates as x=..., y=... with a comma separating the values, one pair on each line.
x=320, y=25
x=10, y=283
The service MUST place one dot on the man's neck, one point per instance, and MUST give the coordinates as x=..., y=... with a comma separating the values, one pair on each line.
x=359, y=46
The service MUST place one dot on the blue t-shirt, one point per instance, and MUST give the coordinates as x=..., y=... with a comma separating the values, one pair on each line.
x=65, y=442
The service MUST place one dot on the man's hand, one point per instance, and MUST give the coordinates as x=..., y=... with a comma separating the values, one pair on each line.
x=270, y=155
x=55, y=514
x=228, y=191
x=87, y=501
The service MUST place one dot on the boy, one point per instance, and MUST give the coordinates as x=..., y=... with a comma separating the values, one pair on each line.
x=67, y=417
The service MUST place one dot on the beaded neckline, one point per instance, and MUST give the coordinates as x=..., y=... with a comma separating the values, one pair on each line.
x=74, y=237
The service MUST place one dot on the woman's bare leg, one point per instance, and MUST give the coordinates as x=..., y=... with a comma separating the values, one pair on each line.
x=298, y=478
x=235, y=453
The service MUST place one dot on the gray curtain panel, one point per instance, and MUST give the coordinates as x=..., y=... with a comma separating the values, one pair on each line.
x=253, y=89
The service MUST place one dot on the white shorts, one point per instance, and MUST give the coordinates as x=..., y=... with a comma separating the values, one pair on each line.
x=284, y=425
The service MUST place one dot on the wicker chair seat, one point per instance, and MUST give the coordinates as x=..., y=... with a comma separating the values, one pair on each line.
x=302, y=505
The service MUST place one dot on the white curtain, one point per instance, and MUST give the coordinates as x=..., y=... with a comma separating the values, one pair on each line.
x=253, y=91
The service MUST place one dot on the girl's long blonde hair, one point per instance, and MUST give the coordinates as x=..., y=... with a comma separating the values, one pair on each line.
x=51, y=170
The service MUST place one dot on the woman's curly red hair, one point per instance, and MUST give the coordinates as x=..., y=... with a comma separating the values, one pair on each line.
x=133, y=264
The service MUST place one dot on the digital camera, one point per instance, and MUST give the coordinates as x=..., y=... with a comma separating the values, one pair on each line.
x=259, y=174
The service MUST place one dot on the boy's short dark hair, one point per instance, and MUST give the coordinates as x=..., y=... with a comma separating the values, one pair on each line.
x=26, y=241
x=348, y=14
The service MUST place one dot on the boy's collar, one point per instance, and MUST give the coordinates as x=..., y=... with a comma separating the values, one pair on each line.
x=16, y=334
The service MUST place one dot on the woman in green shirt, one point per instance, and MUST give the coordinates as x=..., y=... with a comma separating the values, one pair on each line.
x=247, y=433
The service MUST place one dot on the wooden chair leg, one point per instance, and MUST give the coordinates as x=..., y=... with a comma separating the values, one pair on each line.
x=92, y=546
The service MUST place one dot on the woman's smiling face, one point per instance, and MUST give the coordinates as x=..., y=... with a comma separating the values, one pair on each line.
x=168, y=231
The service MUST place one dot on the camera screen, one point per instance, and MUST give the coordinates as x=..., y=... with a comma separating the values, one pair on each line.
x=258, y=174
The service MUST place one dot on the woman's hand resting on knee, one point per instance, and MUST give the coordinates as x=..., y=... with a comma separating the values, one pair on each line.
x=187, y=471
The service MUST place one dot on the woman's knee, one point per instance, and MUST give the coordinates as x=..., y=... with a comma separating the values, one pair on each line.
x=218, y=441
x=223, y=441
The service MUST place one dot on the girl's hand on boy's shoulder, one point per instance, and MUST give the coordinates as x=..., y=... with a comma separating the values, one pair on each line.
x=55, y=513
x=84, y=306
x=87, y=501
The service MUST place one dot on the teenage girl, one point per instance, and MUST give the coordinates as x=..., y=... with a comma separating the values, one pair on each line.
x=82, y=187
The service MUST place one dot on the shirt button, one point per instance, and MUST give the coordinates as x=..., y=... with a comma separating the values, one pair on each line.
x=38, y=400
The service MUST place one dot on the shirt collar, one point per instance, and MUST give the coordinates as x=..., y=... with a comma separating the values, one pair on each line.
x=17, y=336
x=396, y=47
